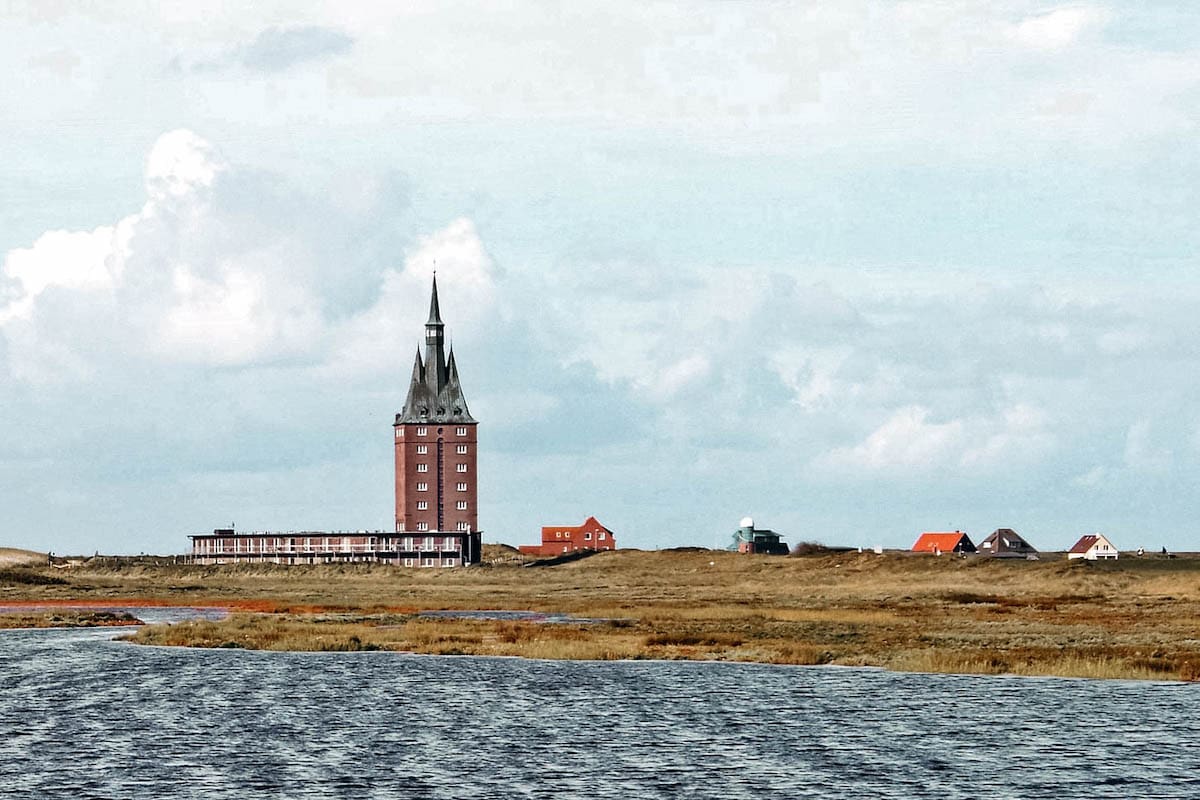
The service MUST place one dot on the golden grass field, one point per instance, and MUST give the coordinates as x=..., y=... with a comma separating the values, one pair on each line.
x=10, y=556
x=1135, y=618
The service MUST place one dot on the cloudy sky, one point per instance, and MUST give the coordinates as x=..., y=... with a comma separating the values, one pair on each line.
x=856, y=269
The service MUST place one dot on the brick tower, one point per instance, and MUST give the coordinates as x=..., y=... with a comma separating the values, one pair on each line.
x=435, y=458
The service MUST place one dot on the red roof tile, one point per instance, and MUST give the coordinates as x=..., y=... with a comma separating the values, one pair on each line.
x=938, y=542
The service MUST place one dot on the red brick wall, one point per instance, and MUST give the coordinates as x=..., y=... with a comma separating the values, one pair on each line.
x=560, y=539
x=441, y=484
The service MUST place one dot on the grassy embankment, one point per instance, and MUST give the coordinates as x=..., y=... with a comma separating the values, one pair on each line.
x=1136, y=618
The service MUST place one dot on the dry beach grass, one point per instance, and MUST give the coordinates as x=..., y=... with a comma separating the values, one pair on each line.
x=1136, y=618
x=12, y=557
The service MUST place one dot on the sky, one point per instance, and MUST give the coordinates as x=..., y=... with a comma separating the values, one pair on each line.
x=858, y=270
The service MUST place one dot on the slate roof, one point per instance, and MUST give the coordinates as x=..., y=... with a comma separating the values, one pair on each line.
x=1006, y=540
x=434, y=392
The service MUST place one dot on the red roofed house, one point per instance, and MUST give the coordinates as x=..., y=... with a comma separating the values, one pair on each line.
x=560, y=539
x=1093, y=546
x=938, y=543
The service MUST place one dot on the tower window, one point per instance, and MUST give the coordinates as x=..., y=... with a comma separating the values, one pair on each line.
x=422, y=468
x=461, y=505
x=422, y=487
x=462, y=449
x=422, y=505
x=422, y=431
x=460, y=468
x=462, y=487
x=399, y=433
x=462, y=526
x=462, y=431
x=422, y=449
x=422, y=526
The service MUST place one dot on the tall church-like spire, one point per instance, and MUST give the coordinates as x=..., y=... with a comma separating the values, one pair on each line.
x=434, y=394
x=435, y=312
x=435, y=345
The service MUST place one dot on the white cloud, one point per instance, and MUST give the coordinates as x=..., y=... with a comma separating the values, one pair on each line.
x=83, y=260
x=905, y=441
x=1094, y=478
x=812, y=374
x=908, y=443
x=181, y=164
x=59, y=61
x=466, y=282
x=1021, y=436
x=1142, y=452
x=1123, y=341
x=1059, y=28
x=184, y=285
x=208, y=273
x=674, y=378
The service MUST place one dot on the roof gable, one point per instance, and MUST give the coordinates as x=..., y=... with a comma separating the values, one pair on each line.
x=1089, y=541
x=1006, y=540
x=591, y=524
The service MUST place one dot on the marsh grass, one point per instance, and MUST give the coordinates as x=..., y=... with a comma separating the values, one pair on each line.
x=1131, y=619
x=67, y=618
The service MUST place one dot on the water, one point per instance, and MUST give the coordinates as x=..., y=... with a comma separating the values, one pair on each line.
x=82, y=716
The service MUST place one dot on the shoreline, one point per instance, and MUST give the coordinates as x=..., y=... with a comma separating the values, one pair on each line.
x=1132, y=619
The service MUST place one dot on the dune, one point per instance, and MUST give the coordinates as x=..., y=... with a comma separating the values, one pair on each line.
x=11, y=557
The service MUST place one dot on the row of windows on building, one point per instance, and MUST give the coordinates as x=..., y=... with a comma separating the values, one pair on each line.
x=587, y=535
x=424, y=526
x=423, y=505
x=425, y=432
x=325, y=545
x=457, y=468
x=423, y=449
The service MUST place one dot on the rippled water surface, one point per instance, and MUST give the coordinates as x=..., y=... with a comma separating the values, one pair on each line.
x=82, y=716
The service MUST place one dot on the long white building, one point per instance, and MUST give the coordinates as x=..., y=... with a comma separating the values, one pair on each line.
x=227, y=546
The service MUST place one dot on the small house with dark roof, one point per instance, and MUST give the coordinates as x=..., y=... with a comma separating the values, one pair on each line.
x=749, y=539
x=1007, y=543
x=938, y=543
x=1093, y=547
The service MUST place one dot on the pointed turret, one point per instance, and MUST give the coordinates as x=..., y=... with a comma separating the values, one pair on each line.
x=451, y=397
x=418, y=373
x=420, y=400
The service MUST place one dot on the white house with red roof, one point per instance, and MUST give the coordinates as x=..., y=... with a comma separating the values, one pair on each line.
x=1093, y=547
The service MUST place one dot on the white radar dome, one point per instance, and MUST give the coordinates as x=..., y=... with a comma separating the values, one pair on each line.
x=747, y=522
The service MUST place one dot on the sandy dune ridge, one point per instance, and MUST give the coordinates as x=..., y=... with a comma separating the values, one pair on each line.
x=11, y=557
